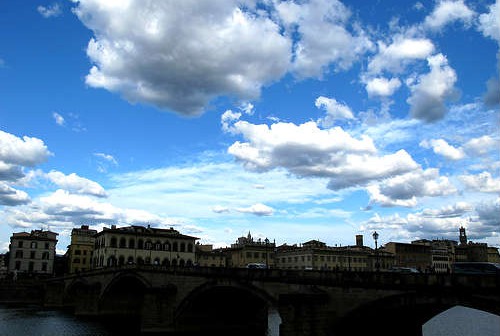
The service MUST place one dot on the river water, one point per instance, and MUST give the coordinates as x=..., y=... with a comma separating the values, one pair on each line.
x=32, y=320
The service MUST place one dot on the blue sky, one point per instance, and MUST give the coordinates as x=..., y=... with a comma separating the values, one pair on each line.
x=294, y=120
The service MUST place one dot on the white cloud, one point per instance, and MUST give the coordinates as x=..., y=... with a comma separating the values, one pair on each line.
x=441, y=147
x=181, y=55
x=258, y=209
x=403, y=190
x=481, y=145
x=59, y=119
x=381, y=86
x=334, y=110
x=308, y=151
x=323, y=36
x=399, y=53
x=492, y=94
x=107, y=157
x=482, y=182
x=220, y=209
x=447, y=12
x=11, y=197
x=427, y=101
x=50, y=11
x=26, y=151
x=489, y=23
x=76, y=184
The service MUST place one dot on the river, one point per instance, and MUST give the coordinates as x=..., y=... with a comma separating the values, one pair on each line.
x=32, y=320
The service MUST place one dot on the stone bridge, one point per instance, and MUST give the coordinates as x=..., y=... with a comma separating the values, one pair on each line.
x=188, y=301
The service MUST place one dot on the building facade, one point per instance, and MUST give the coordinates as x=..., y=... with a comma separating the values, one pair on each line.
x=32, y=252
x=246, y=251
x=79, y=254
x=207, y=256
x=142, y=245
x=416, y=256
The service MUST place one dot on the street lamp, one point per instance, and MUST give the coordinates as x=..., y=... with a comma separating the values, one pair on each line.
x=267, y=254
x=375, y=237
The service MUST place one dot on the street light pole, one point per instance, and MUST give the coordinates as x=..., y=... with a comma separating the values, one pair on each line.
x=267, y=253
x=375, y=237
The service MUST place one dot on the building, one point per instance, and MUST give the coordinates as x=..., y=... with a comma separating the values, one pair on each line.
x=493, y=255
x=246, y=251
x=207, y=256
x=79, y=254
x=32, y=252
x=442, y=253
x=416, y=256
x=316, y=255
x=470, y=251
x=142, y=245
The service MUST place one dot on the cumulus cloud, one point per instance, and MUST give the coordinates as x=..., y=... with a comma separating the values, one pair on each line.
x=447, y=12
x=489, y=23
x=428, y=95
x=76, y=184
x=53, y=10
x=323, y=37
x=10, y=172
x=441, y=147
x=62, y=209
x=11, y=197
x=401, y=52
x=308, y=151
x=27, y=151
x=492, y=95
x=403, y=190
x=483, y=182
x=381, y=86
x=334, y=110
x=180, y=55
x=480, y=146
x=441, y=222
x=258, y=209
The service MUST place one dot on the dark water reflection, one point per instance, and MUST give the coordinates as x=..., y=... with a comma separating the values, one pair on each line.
x=33, y=320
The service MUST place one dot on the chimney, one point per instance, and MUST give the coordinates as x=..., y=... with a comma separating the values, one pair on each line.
x=359, y=240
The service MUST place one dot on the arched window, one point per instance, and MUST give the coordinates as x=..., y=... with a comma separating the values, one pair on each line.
x=182, y=263
x=111, y=261
x=158, y=246
x=166, y=246
x=131, y=243
x=174, y=247
x=174, y=262
x=190, y=247
x=101, y=261
x=121, y=260
x=123, y=242
x=156, y=261
x=130, y=260
x=165, y=262
x=140, y=244
x=189, y=263
x=148, y=245
x=113, y=242
x=183, y=247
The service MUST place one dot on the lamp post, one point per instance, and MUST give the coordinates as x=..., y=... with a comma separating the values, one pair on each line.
x=267, y=254
x=375, y=237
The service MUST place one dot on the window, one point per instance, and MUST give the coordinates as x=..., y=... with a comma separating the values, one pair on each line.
x=32, y=255
x=123, y=242
x=166, y=246
x=47, y=246
x=148, y=245
x=19, y=254
x=76, y=261
x=18, y=265
x=84, y=252
x=249, y=255
x=175, y=247
x=33, y=245
x=20, y=243
x=140, y=244
x=183, y=247
x=113, y=242
x=131, y=243
x=190, y=247
x=44, y=267
x=45, y=255
x=256, y=255
x=78, y=252
x=31, y=266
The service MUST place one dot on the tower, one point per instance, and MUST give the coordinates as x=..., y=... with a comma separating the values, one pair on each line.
x=463, y=236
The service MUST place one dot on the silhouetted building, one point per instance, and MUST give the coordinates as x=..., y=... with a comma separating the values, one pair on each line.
x=246, y=251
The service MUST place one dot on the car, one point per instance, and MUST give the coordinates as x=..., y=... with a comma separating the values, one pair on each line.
x=476, y=268
x=256, y=265
x=404, y=270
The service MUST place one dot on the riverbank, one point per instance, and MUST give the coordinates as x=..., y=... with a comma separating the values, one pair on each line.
x=21, y=291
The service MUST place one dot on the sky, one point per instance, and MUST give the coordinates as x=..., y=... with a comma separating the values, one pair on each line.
x=294, y=120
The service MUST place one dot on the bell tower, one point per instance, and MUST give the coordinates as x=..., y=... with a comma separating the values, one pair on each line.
x=463, y=236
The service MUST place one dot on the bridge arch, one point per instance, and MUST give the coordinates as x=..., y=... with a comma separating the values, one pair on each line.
x=406, y=313
x=226, y=308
